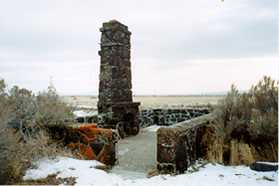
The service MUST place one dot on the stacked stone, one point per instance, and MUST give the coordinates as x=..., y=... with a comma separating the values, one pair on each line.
x=115, y=71
x=115, y=105
x=168, y=117
x=178, y=147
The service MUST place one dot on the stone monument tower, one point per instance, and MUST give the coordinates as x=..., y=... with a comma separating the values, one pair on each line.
x=115, y=106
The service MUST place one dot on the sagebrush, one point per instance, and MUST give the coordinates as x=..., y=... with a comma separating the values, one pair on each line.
x=23, y=119
x=252, y=114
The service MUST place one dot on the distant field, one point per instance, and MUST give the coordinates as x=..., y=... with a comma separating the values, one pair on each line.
x=149, y=101
x=176, y=101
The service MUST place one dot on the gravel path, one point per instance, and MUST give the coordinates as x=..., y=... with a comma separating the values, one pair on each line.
x=136, y=154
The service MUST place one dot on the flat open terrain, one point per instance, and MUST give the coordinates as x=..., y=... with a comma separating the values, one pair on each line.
x=149, y=101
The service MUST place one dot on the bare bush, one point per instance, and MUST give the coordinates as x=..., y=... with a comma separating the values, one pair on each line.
x=17, y=155
x=251, y=114
x=51, y=110
x=22, y=119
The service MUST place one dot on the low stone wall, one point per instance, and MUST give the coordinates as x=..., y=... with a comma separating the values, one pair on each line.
x=168, y=117
x=180, y=145
x=87, y=141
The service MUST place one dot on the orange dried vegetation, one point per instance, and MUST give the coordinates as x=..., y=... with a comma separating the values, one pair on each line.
x=89, y=133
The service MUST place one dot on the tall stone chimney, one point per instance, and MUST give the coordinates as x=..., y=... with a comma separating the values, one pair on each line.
x=115, y=104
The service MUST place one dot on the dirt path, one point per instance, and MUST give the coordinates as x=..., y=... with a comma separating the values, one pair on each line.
x=137, y=154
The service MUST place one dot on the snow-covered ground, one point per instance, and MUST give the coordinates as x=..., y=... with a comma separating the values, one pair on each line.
x=84, y=113
x=152, y=128
x=211, y=175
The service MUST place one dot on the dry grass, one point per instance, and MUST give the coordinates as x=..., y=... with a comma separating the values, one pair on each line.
x=50, y=180
x=23, y=119
x=251, y=115
x=18, y=154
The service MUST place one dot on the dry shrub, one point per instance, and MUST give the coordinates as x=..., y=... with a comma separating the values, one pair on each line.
x=51, y=110
x=18, y=154
x=250, y=115
x=23, y=119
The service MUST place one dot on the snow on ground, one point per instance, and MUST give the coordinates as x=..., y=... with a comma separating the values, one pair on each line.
x=83, y=113
x=86, y=106
x=268, y=163
x=122, y=152
x=210, y=175
x=152, y=128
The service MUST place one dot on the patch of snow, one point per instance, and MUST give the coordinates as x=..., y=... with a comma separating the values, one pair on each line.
x=62, y=165
x=86, y=174
x=152, y=128
x=82, y=113
x=127, y=174
x=268, y=163
x=86, y=106
x=122, y=152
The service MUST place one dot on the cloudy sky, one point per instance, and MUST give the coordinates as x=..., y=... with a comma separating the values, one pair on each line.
x=178, y=46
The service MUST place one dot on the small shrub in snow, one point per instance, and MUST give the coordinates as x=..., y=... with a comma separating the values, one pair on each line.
x=250, y=115
x=23, y=117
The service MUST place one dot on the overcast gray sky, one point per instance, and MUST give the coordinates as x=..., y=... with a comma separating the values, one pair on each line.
x=178, y=46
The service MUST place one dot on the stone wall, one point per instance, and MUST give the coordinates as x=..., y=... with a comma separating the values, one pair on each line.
x=180, y=145
x=87, y=141
x=168, y=117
